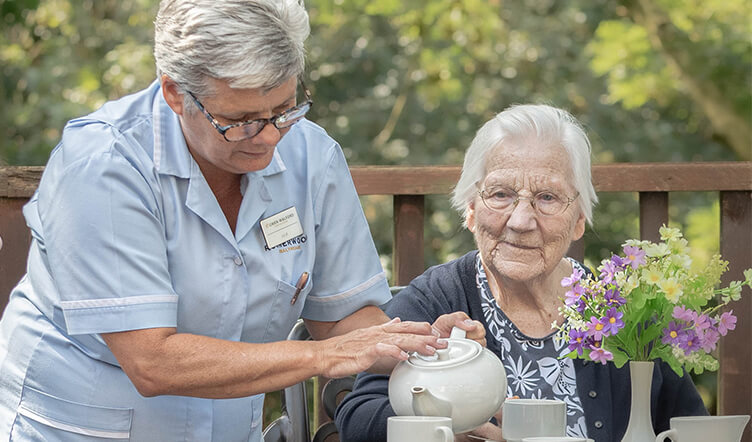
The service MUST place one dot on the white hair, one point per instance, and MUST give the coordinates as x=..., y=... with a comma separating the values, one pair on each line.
x=546, y=127
x=249, y=44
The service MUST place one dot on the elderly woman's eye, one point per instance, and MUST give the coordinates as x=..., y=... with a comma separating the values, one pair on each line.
x=502, y=194
x=547, y=197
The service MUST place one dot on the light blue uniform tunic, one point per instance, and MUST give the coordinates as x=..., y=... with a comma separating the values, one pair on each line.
x=127, y=235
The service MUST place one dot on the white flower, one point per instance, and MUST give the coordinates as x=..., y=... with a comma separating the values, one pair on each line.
x=657, y=250
x=636, y=243
x=522, y=378
x=668, y=233
x=559, y=375
x=682, y=260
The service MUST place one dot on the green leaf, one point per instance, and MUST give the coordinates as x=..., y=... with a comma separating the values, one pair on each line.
x=620, y=358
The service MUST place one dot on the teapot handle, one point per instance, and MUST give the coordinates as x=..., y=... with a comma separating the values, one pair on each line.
x=457, y=333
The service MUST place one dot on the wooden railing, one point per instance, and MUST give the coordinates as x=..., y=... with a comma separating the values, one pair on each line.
x=409, y=185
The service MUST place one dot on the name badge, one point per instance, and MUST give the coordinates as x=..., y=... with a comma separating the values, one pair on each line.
x=280, y=227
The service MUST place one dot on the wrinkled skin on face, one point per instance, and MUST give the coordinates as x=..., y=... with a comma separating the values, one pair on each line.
x=519, y=244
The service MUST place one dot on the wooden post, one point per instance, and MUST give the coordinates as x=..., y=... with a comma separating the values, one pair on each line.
x=577, y=250
x=408, y=238
x=653, y=214
x=16, y=239
x=735, y=375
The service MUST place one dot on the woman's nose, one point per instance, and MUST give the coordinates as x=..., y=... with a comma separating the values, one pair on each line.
x=269, y=135
x=522, y=217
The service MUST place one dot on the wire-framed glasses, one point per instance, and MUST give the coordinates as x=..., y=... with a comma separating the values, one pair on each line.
x=546, y=203
x=249, y=129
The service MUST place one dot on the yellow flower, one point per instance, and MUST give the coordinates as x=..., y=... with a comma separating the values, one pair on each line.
x=671, y=288
x=679, y=245
x=652, y=275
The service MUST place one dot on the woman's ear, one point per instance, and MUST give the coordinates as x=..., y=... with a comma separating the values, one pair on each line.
x=172, y=94
x=579, y=227
x=470, y=217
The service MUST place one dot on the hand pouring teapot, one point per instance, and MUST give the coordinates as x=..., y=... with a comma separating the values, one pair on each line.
x=463, y=381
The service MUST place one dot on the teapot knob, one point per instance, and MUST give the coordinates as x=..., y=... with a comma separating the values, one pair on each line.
x=457, y=333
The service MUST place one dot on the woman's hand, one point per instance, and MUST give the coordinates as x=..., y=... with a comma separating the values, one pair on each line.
x=360, y=349
x=474, y=329
x=487, y=431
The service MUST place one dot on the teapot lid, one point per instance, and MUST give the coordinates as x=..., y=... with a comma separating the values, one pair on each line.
x=457, y=352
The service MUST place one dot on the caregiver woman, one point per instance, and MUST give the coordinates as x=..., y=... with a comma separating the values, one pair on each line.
x=179, y=233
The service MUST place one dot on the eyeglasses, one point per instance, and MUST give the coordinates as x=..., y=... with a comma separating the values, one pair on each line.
x=249, y=129
x=545, y=203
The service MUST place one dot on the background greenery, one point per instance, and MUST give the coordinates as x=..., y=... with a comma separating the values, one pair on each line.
x=410, y=81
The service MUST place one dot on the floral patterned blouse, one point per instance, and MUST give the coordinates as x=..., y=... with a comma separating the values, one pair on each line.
x=534, y=367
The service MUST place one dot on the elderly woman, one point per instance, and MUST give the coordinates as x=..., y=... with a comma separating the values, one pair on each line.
x=526, y=194
x=178, y=235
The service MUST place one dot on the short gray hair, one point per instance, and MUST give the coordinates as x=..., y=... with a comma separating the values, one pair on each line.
x=547, y=127
x=249, y=44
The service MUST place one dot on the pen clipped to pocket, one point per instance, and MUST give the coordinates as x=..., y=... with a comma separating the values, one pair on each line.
x=299, y=286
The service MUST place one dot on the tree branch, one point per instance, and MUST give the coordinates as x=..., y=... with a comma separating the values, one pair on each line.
x=670, y=41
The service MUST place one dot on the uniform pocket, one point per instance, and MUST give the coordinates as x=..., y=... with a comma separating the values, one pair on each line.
x=284, y=312
x=42, y=416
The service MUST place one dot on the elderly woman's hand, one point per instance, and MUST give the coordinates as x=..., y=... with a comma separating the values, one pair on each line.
x=473, y=329
x=487, y=431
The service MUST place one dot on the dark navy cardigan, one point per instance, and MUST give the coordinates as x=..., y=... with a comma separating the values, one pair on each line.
x=604, y=390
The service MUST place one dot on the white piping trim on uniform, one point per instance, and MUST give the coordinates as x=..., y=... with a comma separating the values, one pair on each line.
x=279, y=161
x=116, y=302
x=23, y=411
x=359, y=288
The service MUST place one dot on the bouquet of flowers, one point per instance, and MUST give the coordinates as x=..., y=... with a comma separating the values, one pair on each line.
x=648, y=304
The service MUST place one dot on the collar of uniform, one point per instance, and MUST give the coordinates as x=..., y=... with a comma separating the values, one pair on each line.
x=276, y=165
x=171, y=155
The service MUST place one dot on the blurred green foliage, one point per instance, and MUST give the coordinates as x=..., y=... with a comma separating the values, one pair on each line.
x=410, y=81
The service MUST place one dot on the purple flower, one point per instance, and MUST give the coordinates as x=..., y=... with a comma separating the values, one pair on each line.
x=573, y=278
x=597, y=328
x=672, y=334
x=702, y=322
x=613, y=296
x=572, y=296
x=577, y=340
x=613, y=321
x=684, y=314
x=608, y=270
x=581, y=306
x=634, y=256
x=726, y=322
x=689, y=342
x=708, y=339
x=598, y=354
x=617, y=262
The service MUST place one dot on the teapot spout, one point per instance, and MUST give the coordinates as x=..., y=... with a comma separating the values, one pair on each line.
x=426, y=404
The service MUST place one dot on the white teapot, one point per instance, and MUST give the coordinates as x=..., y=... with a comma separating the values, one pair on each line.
x=463, y=381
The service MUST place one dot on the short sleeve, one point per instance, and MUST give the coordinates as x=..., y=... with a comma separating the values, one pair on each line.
x=347, y=271
x=105, y=245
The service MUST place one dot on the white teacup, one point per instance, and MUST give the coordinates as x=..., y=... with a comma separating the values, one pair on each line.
x=523, y=418
x=705, y=428
x=419, y=429
x=555, y=439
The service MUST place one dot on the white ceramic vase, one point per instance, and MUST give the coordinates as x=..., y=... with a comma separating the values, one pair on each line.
x=640, y=427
